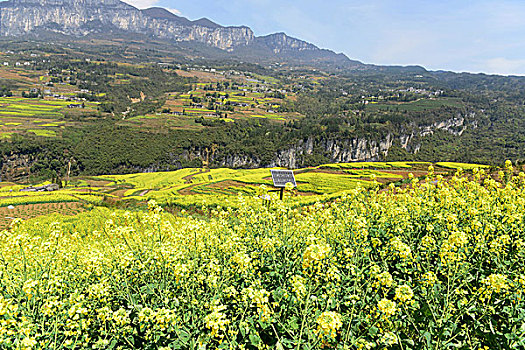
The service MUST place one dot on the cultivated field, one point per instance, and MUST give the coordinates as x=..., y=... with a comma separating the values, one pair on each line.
x=434, y=262
x=43, y=116
x=195, y=188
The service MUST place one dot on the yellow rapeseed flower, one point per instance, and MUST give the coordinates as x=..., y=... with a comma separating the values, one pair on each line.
x=328, y=324
x=404, y=293
x=387, y=307
x=315, y=253
x=384, y=279
x=497, y=282
x=217, y=321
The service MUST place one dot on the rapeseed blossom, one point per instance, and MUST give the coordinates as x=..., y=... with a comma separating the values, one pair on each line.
x=404, y=293
x=314, y=254
x=242, y=261
x=400, y=265
x=217, y=321
x=299, y=286
x=389, y=339
x=28, y=343
x=400, y=248
x=328, y=324
x=29, y=288
x=429, y=278
x=387, y=307
x=497, y=283
x=384, y=279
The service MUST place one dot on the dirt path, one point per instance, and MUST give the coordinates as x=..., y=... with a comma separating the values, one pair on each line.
x=187, y=179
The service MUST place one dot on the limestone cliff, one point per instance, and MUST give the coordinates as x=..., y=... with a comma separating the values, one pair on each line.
x=82, y=17
x=281, y=42
x=353, y=149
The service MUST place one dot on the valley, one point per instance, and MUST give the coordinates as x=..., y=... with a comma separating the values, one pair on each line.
x=138, y=209
x=109, y=115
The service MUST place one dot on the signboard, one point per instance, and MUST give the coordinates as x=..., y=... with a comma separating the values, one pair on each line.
x=282, y=177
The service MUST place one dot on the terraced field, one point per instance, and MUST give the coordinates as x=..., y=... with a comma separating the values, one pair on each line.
x=37, y=116
x=195, y=188
x=180, y=109
x=41, y=117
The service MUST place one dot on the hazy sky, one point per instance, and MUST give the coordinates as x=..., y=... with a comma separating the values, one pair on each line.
x=460, y=35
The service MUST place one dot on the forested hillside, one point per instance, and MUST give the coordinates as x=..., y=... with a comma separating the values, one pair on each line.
x=99, y=107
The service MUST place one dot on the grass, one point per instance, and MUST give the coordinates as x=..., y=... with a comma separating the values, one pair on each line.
x=264, y=78
x=367, y=173
x=6, y=135
x=54, y=124
x=140, y=117
x=268, y=116
x=30, y=107
x=157, y=180
x=328, y=183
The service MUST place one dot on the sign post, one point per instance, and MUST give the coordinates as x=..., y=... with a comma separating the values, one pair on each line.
x=280, y=178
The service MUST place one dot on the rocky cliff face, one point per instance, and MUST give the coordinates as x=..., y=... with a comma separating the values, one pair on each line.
x=279, y=42
x=16, y=167
x=81, y=17
x=352, y=149
x=337, y=150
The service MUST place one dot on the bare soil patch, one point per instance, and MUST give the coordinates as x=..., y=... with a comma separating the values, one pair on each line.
x=30, y=211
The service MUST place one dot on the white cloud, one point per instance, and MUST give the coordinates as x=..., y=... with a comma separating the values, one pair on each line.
x=501, y=65
x=174, y=11
x=142, y=4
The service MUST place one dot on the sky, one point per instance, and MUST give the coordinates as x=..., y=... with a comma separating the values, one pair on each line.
x=459, y=35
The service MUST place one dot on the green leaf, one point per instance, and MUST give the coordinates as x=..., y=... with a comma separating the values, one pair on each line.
x=428, y=338
x=255, y=340
x=292, y=324
x=184, y=336
x=112, y=344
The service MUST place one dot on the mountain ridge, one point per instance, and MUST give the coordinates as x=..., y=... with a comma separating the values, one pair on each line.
x=83, y=17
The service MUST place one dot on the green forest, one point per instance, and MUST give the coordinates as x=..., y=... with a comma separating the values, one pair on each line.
x=165, y=116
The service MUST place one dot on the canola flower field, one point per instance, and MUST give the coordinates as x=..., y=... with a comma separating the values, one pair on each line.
x=41, y=117
x=196, y=187
x=436, y=264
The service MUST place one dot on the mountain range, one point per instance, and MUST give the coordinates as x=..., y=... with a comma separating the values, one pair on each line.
x=81, y=18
